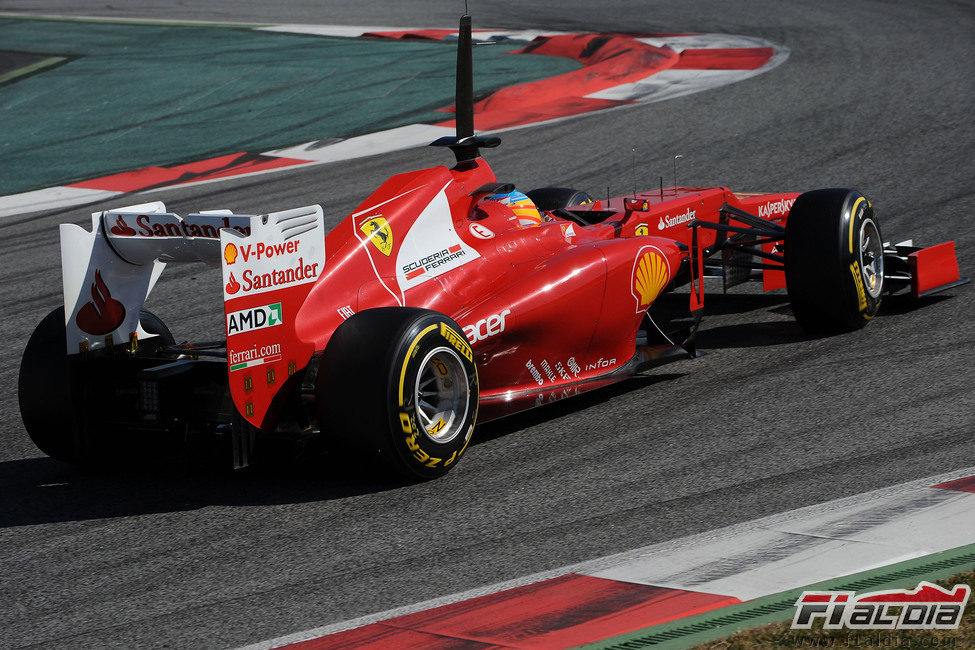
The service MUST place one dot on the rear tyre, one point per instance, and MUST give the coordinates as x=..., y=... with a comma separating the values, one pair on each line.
x=547, y=199
x=399, y=385
x=44, y=388
x=834, y=262
x=44, y=391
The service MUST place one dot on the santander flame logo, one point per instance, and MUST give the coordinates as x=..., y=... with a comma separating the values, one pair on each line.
x=122, y=229
x=103, y=314
x=233, y=286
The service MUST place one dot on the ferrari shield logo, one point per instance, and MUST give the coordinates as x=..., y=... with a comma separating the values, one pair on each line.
x=379, y=233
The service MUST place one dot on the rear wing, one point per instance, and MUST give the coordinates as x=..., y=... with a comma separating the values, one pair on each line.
x=269, y=263
x=109, y=271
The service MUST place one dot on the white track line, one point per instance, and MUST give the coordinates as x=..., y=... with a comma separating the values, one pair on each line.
x=351, y=31
x=51, y=198
x=371, y=144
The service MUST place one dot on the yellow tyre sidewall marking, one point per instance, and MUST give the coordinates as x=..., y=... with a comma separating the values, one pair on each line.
x=858, y=282
x=409, y=355
x=405, y=420
x=853, y=218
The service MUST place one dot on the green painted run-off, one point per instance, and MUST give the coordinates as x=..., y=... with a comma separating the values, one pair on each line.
x=131, y=96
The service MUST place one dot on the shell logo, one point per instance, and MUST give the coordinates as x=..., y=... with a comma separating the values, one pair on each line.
x=649, y=277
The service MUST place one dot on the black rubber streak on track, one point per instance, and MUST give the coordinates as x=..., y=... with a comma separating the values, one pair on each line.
x=875, y=95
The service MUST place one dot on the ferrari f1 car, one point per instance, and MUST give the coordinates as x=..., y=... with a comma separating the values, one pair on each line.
x=444, y=299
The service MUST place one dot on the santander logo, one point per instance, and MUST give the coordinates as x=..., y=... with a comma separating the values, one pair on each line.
x=232, y=285
x=666, y=221
x=122, y=229
x=103, y=314
x=170, y=225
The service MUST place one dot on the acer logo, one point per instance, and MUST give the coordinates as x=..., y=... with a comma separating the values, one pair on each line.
x=486, y=327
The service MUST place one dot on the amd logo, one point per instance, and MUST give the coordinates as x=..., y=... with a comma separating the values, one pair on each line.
x=254, y=319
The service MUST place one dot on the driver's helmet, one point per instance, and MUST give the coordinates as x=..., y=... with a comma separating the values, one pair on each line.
x=523, y=207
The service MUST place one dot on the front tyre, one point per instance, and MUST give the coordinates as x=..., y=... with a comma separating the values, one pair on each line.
x=399, y=384
x=834, y=261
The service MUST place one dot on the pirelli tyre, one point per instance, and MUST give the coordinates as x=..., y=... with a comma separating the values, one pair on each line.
x=44, y=389
x=398, y=384
x=834, y=261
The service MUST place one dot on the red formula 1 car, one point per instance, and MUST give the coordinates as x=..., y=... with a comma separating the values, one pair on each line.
x=444, y=299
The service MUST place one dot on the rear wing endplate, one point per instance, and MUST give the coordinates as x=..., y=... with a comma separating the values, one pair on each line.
x=267, y=274
x=108, y=272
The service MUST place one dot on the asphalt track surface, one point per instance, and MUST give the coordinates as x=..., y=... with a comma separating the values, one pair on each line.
x=875, y=95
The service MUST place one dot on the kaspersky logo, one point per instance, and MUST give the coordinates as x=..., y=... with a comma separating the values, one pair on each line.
x=379, y=232
x=927, y=607
x=772, y=208
x=248, y=320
